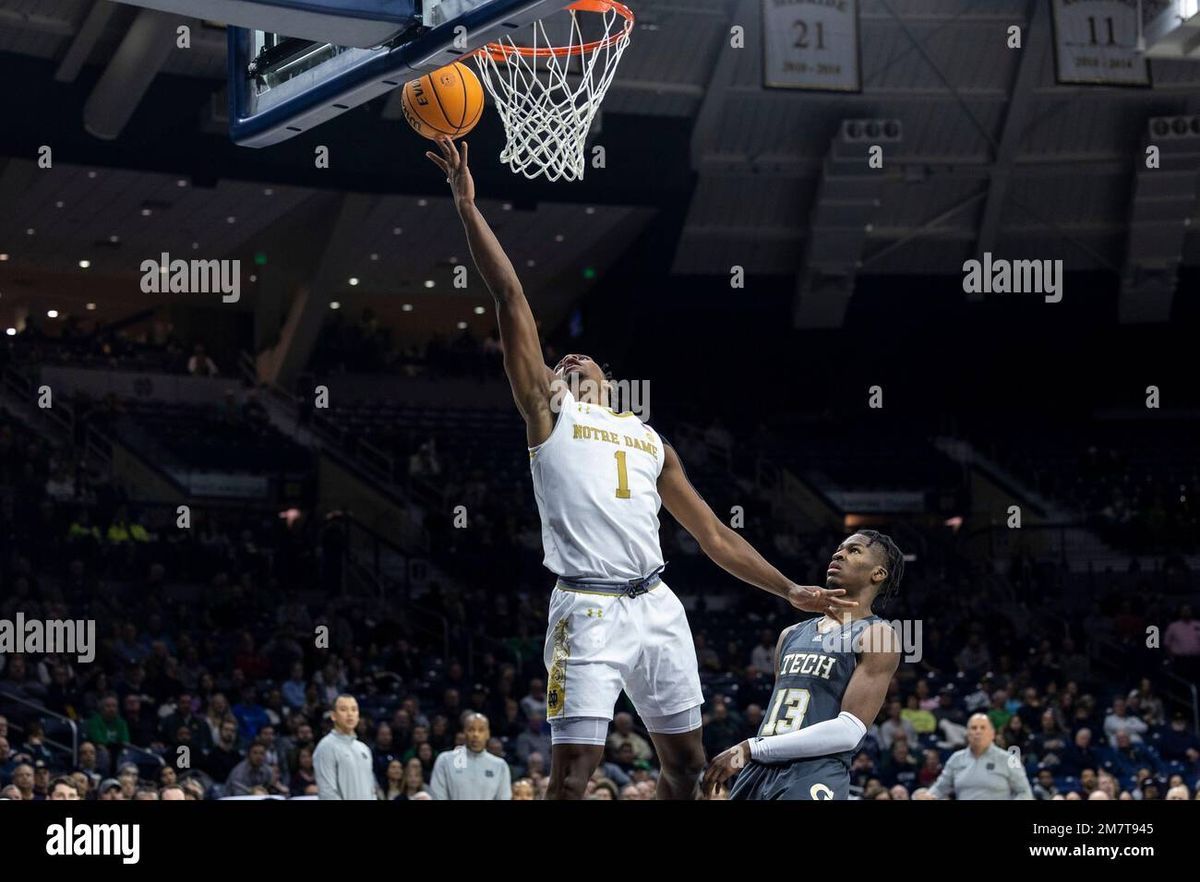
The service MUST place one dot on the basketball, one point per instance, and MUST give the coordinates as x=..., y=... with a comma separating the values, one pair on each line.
x=446, y=102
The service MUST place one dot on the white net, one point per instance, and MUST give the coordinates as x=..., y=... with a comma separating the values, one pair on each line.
x=546, y=106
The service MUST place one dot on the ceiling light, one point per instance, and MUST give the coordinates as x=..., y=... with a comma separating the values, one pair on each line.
x=353, y=281
x=51, y=313
x=84, y=264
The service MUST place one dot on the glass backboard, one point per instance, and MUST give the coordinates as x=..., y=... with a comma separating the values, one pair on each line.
x=281, y=86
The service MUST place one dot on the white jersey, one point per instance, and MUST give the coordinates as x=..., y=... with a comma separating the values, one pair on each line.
x=596, y=483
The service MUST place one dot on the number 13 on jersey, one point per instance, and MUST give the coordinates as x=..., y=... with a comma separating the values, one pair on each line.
x=794, y=704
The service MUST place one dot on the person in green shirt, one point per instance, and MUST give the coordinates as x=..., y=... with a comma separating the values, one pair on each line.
x=923, y=721
x=106, y=726
x=999, y=713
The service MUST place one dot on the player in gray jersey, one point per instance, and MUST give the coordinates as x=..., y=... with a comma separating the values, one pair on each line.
x=831, y=677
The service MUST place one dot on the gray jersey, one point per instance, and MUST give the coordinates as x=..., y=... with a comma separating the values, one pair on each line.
x=464, y=774
x=343, y=768
x=811, y=677
x=991, y=775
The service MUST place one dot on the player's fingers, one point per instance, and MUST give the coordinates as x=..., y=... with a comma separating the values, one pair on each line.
x=832, y=592
x=448, y=151
x=438, y=161
x=837, y=602
x=466, y=153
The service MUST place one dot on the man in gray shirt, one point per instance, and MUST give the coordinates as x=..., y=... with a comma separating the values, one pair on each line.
x=981, y=770
x=342, y=764
x=471, y=772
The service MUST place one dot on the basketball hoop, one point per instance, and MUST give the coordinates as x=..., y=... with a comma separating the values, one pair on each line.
x=547, y=118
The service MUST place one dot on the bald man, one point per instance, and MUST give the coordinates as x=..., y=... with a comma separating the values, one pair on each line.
x=981, y=770
x=469, y=771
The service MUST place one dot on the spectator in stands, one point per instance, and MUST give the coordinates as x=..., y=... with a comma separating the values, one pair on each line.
x=623, y=734
x=535, y=701
x=63, y=788
x=7, y=762
x=1081, y=755
x=34, y=745
x=412, y=781
x=1145, y=703
x=128, y=776
x=1178, y=743
x=763, y=654
x=105, y=727
x=923, y=722
x=534, y=739
x=141, y=726
x=220, y=761
x=22, y=779
x=217, y=715
x=901, y=767
x=930, y=769
x=303, y=780
x=1129, y=756
x=470, y=772
x=722, y=729
x=252, y=772
x=974, y=657
x=200, y=365
x=1044, y=787
x=293, y=688
x=894, y=726
x=110, y=789
x=1182, y=642
x=184, y=716
x=250, y=715
x=1120, y=721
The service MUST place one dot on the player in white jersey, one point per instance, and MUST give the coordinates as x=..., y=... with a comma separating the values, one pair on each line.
x=600, y=478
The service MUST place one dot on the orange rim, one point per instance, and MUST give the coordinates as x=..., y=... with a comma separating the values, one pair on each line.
x=500, y=52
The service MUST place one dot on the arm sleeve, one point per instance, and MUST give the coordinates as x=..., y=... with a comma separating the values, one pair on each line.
x=831, y=736
x=504, y=788
x=437, y=781
x=325, y=770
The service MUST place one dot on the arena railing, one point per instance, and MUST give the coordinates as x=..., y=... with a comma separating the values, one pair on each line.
x=43, y=713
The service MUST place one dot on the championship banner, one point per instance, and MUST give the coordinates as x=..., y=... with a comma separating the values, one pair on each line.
x=1096, y=41
x=811, y=44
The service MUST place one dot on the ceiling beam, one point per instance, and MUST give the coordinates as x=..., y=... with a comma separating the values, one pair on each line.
x=85, y=41
x=129, y=74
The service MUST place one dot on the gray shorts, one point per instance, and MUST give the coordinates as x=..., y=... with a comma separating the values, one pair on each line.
x=819, y=778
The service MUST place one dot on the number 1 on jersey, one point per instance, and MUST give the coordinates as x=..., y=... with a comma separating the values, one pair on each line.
x=622, y=476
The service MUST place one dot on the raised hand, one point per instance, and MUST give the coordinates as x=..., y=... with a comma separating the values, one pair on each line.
x=819, y=600
x=453, y=163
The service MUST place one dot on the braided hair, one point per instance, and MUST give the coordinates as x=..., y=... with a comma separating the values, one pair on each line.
x=894, y=566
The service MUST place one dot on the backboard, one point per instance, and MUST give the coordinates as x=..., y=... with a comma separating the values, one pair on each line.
x=281, y=86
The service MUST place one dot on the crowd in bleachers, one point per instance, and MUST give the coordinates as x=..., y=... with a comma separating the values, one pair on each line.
x=207, y=641
x=1135, y=482
x=205, y=645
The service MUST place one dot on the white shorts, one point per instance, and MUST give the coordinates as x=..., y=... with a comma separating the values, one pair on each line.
x=599, y=644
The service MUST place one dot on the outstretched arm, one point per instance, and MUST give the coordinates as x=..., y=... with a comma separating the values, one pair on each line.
x=728, y=550
x=527, y=373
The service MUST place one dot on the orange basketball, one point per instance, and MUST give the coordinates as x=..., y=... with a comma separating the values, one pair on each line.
x=446, y=102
